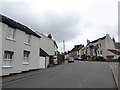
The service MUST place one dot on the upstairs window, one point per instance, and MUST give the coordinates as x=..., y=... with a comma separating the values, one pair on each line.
x=26, y=57
x=11, y=33
x=7, y=60
x=100, y=45
x=27, y=38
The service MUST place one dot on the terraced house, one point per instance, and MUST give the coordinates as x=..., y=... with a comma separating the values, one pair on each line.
x=104, y=47
x=48, y=50
x=20, y=47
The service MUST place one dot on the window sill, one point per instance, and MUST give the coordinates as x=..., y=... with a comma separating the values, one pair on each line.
x=6, y=66
x=10, y=39
x=27, y=44
x=24, y=63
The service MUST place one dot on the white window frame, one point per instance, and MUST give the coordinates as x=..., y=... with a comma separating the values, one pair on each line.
x=26, y=55
x=11, y=33
x=7, y=57
x=27, y=39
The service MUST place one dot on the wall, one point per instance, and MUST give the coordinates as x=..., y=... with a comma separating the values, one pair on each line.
x=106, y=43
x=109, y=44
x=17, y=47
x=47, y=61
x=47, y=45
x=73, y=54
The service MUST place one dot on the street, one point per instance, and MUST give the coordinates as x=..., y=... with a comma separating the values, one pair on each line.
x=80, y=74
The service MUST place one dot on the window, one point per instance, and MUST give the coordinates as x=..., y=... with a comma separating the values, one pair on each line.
x=98, y=52
x=27, y=38
x=100, y=45
x=7, y=59
x=26, y=57
x=55, y=53
x=101, y=52
x=11, y=33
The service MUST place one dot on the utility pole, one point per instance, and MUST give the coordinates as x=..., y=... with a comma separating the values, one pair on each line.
x=63, y=46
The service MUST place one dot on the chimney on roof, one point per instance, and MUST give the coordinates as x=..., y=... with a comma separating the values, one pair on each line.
x=113, y=39
x=107, y=35
x=88, y=41
x=50, y=36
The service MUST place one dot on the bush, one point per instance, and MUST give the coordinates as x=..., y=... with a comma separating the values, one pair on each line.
x=99, y=58
x=88, y=56
x=50, y=65
x=84, y=57
x=110, y=57
x=93, y=57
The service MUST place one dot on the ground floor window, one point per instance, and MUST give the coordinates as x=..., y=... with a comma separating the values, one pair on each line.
x=26, y=57
x=7, y=59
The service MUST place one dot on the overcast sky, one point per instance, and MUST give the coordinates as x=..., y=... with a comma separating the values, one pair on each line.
x=74, y=21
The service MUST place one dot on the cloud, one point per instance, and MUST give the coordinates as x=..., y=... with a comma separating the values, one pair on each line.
x=63, y=26
x=74, y=21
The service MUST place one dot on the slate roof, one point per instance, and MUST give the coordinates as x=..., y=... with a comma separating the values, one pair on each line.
x=17, y=25
x=47, y=37
x=77, y=48
x=102, y=38
x=114, y=51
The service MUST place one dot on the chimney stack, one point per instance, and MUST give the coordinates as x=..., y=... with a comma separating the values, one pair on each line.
x=88, y=41
x=50, y=36
x=113, y=39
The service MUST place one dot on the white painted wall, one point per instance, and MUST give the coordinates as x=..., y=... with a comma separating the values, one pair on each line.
x=106, y=43
x=47, y=61
x=47, y=44
x=17, y=47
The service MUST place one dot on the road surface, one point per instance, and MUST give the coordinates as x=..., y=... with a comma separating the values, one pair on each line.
x=81, y=74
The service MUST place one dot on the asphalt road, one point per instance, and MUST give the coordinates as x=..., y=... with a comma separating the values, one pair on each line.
x=116, y=64
x=69, y=75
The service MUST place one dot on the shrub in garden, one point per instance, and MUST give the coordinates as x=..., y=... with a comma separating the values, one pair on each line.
x=110, y=57
x=99, y=58
x=50, y=65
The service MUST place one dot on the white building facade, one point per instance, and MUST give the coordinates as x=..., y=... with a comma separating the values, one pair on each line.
x=49, y=47
x=20, y=47
x=23, y=49
x=99, y=47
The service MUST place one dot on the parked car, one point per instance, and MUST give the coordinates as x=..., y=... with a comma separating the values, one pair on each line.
x=70, y=60
x=79, y=59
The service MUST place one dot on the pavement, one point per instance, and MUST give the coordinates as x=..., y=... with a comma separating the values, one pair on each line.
x=115, y=67
x=14, y=78
x=116, y=72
